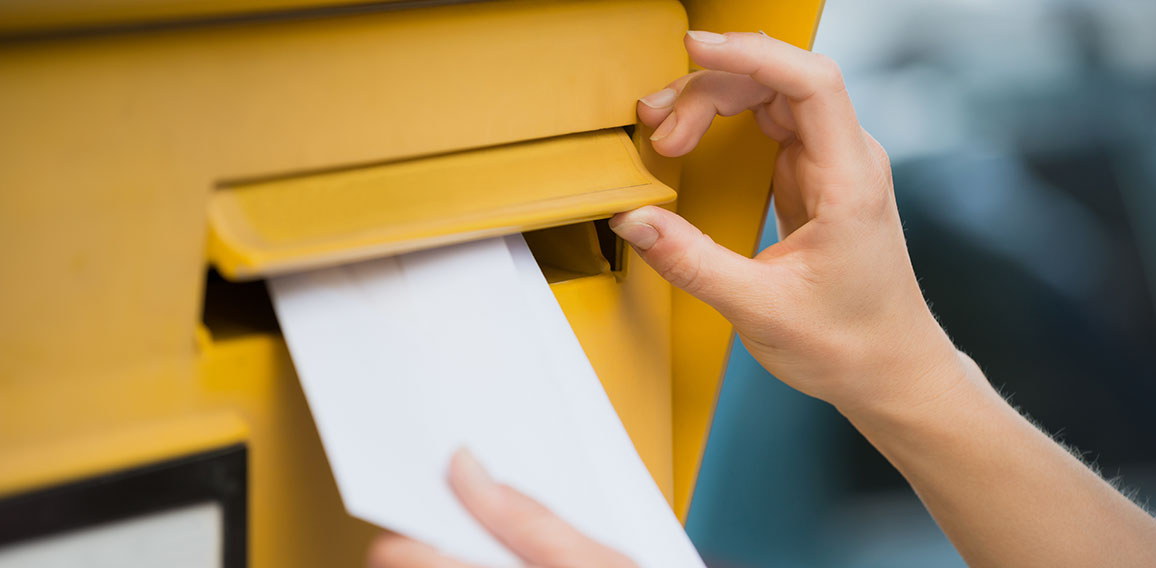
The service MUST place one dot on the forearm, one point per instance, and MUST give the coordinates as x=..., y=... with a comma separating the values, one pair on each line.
x=1002, y=491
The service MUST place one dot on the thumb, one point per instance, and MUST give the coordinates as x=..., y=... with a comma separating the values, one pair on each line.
x=689, y=259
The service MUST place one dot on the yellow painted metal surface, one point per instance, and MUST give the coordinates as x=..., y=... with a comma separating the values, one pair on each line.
x=568, y=252
x=80, y=453
x=18, y=17
x=121, y=139
x=284, y=225
x=241, y=387
x=624, y=328
x=727, y=174
x=117, y=144
x=114, y=145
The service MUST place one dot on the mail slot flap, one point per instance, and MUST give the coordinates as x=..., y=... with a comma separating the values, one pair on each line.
x=271, y=227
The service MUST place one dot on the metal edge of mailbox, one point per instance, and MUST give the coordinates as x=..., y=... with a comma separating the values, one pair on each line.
x=280, y=226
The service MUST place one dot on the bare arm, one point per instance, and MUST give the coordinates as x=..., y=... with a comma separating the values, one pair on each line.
x=1002, y=490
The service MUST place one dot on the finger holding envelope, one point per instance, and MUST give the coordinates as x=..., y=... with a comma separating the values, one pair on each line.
x=524, y=526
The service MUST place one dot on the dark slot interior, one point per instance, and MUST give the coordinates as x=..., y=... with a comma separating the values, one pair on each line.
x=234, y=309
x=576, y=251
x=609, y=244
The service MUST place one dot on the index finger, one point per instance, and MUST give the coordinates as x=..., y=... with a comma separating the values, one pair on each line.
x=813, y=84
x=522, y=524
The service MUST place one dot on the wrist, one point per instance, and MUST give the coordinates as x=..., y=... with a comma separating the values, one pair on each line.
x=912, y=373
x=925, y=392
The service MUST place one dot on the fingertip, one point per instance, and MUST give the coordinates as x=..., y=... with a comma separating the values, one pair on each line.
x=721, y=55
x=651, y=117
x=669, y=139
x=675, y=145
x=641, y=235
x=705, y=38
x=672, y=149
x=667, y=128
x=641, y=215
x=466, y=473
x=696, y=42
x=660, y=99
x=618, y=219
x=668, y=149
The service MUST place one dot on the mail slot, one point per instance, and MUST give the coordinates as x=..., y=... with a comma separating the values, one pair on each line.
x=161, y=158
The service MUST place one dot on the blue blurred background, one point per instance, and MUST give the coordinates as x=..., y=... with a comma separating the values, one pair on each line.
x=1023, y=141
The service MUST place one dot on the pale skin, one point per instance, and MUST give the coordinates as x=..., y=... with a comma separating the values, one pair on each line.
x=834, y=310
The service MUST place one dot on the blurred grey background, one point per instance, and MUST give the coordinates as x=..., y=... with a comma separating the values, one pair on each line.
x=1023, y=141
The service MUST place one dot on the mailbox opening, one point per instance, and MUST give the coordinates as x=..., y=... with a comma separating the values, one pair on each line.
x=580, y=250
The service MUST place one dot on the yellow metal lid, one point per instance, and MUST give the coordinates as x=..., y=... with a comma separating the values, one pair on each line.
x=271, y=227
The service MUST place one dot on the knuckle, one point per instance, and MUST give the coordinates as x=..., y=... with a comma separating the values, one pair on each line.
x=826, y=74
x=876, y=200
x=878, y=152
x=684, y=270
x=882, y=157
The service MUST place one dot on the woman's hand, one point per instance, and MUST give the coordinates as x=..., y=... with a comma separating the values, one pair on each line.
x=833, y=309
x=524, y=526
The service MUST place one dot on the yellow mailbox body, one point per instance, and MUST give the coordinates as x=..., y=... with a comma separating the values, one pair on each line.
x=147, y=146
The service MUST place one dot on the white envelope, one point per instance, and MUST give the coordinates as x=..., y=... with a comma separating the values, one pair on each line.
x=405, y=359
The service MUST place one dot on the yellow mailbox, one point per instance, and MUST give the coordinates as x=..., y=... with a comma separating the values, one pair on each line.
x=159, y=158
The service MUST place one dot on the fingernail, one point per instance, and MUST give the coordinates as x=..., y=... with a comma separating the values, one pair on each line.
x=706, y=37
x=640, y=235
x=660, y=99
x=665, y=128
x=470, y=471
